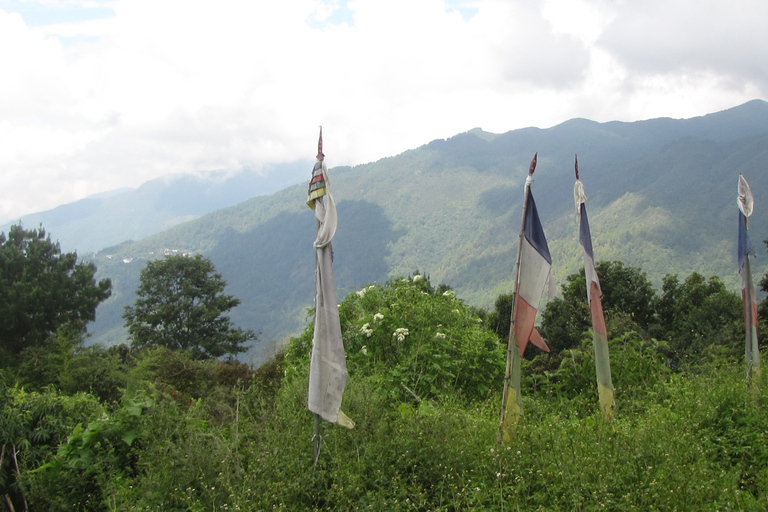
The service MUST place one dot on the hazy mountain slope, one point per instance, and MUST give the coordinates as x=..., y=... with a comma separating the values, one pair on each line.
x=269, y=264
x=106, y=219
x=661, y=194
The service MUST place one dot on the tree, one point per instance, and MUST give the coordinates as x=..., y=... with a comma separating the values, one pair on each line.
x=42, y=291
x=181, y=305
x=697, y=314
x=628, y=297
x=692, y=316
x=499, y=318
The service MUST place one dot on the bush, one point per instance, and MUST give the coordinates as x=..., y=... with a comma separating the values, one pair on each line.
x=419, y=342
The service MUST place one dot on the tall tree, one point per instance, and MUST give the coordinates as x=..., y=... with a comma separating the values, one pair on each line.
x=181, y=305
x=42, y=290
x=698, y=314
x=628, y=295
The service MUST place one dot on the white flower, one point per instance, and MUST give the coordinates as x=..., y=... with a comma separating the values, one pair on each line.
x=364, y=350
x=378, y=316
x=440, y=335
x=400, y=333
x=456, y=311
x=366, y=329
x=361, y=293
x=417, y=277
x=448, y=293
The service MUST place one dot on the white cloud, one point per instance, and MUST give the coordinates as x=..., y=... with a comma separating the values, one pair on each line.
x=692, y=37
x=181, y=86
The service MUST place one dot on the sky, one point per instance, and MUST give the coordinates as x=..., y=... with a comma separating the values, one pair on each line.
x=97, y=95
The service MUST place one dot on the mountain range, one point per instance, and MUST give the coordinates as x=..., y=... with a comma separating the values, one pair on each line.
x=109, y=218
x=661, y=196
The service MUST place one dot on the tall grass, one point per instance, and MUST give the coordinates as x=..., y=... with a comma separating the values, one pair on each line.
x=697, y=442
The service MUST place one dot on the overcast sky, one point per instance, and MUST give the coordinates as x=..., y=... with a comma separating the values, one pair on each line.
x=97, y=95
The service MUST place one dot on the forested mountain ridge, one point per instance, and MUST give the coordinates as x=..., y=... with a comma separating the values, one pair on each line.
x=661, y=192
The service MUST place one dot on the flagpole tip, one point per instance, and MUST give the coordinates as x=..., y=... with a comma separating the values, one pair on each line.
x=533, y=164
x=576, y=165
x=320, y=155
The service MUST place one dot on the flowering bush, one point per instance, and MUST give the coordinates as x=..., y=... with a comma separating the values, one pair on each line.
x=418, y=341
x=400, y=333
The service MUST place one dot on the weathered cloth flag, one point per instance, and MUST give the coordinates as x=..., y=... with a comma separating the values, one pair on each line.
x=328, y=365
x=532, y=275
x=599, y=332
x=745, y=203
x=317, y=187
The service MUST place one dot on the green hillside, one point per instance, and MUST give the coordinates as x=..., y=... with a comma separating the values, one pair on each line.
x=662, y=196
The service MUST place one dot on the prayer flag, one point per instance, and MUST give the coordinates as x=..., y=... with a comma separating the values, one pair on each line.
x=532, y=274
x=599, y=332
x=533, y=277
x=745, y=202
x=317, y=188
x=328, y=366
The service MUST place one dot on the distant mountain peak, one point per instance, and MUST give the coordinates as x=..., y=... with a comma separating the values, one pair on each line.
x=483, y=134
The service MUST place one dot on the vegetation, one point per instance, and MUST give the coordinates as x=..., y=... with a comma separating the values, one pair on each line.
x=415, y=341
x=628, y=297
x=698, y=315
x=181, y=305
x=43, y=293
x=694, y=317
x=163, y=429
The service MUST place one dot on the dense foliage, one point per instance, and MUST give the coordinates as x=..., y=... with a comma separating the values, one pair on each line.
x=180, y=305
x=628, y=297
x=695, y=317
x=699, y=315
x=42, y=291
x=415, y=341
x=426, y=372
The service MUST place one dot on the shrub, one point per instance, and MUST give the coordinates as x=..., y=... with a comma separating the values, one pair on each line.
x=419, y=342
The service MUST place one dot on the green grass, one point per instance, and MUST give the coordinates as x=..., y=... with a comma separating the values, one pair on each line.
x=692, y=442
